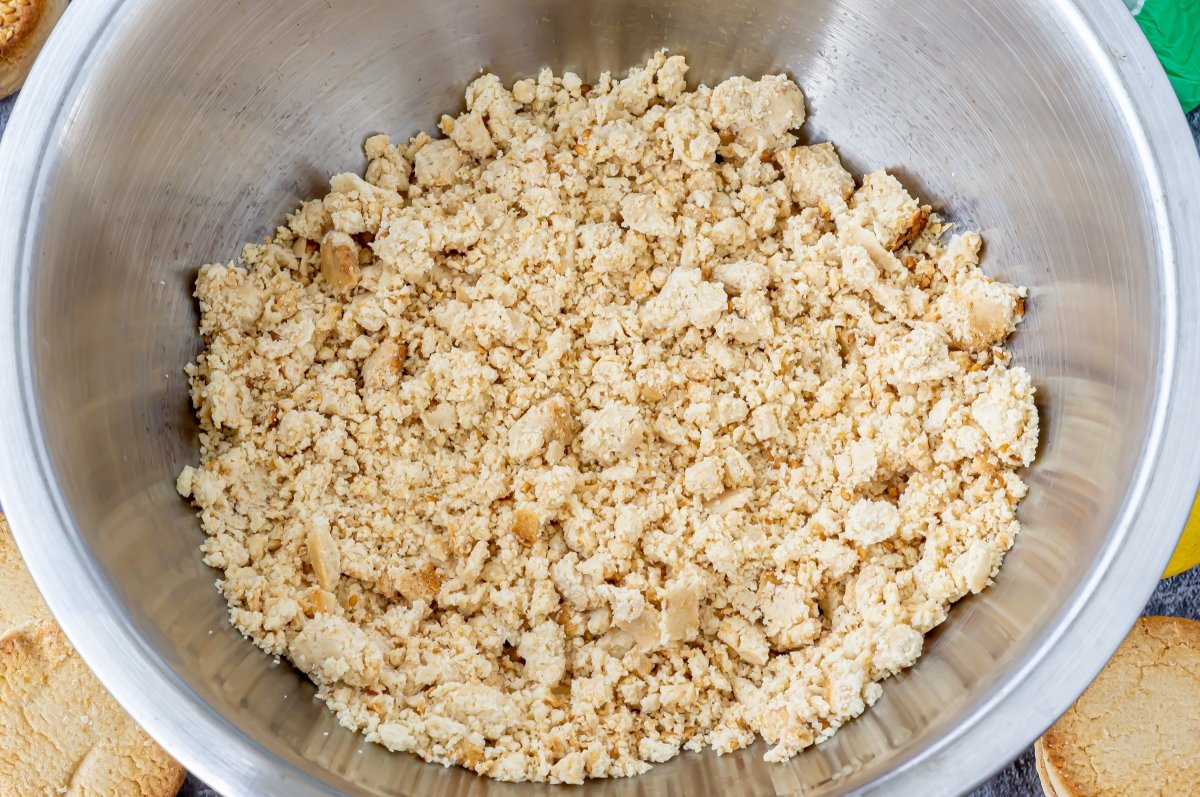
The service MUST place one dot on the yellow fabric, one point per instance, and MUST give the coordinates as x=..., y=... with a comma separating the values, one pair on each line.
x=1187, y=553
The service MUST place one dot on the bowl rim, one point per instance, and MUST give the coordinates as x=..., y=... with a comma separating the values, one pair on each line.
x=1073, y=649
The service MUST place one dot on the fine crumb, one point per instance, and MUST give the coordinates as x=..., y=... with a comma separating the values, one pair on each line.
x=614, y=422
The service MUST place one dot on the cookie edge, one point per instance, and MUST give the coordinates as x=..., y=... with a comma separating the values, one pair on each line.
x=1056, y=745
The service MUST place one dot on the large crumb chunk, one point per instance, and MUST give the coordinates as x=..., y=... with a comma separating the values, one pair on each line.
x=1006, y=413
x=685, y=300
x=438, y=163
x=979, y=312
x=816, y=177
x=871, y=522
x=883, y=206
x=541, y=427
x=613, y=433
x=609, y=424
x=331, y=649
x=757, y=114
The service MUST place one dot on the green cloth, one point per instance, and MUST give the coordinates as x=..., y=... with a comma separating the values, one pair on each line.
x=1173, y=28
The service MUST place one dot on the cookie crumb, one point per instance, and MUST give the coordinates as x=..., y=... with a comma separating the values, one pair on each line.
x=611, y=424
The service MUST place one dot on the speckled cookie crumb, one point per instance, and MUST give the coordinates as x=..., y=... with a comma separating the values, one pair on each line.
x=614, y=423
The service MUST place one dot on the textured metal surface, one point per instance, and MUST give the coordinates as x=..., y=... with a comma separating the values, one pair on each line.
x=157, y=134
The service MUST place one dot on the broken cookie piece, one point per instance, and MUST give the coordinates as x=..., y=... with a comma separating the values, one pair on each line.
x=815, y=176
x=884, y=207
x=339, y=261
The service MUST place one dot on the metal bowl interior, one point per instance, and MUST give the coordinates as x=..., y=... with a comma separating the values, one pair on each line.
x=157, y=135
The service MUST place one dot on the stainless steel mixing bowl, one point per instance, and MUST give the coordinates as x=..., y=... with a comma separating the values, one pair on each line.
x=156, y=135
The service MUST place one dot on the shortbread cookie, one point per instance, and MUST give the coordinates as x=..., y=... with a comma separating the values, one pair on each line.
x=20, y=601
x=1039, y=763
x=24, y=26
x=1134, y=731
x=61, y=733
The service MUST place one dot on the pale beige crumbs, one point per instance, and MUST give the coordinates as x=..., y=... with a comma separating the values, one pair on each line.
x=612, y=423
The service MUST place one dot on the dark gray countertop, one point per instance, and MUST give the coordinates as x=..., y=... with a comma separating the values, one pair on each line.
x=1179, y=596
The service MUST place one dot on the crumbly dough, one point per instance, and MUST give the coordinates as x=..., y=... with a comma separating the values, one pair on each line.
x=611, y=424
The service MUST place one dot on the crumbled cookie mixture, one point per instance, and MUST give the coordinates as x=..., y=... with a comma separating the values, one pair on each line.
x=612, y=423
